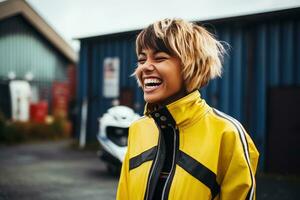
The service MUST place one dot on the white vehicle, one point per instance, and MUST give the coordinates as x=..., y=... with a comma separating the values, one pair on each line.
x=113, y=134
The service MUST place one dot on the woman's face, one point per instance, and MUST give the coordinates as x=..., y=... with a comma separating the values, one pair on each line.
x=160, y=77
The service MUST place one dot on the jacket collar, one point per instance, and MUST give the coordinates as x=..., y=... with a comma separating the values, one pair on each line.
x=180, y=113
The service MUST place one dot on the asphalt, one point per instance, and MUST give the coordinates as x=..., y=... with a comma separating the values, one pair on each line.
x=53, y=171
x=56, y=171
x=277, y=186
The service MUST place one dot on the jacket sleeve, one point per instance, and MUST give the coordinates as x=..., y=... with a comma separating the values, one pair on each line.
x=237, y=166
x=122, y=192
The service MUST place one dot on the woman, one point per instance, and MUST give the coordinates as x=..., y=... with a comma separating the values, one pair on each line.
x=182, y=148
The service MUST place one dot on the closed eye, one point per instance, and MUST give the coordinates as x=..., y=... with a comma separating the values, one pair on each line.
x=161, y=56
x=141, y=61
x=161, y=59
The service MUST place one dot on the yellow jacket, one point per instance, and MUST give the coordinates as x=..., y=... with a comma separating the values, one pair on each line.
x=214, y=156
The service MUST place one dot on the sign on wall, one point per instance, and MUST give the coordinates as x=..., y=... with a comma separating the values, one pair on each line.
x=60, y=98
x=111, y=69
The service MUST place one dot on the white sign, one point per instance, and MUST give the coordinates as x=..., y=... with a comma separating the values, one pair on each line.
x=111, y=69
x=20, y=97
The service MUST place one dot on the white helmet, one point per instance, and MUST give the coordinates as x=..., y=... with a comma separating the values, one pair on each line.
x=113, y=130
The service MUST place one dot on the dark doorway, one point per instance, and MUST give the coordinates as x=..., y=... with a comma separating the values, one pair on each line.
x=283, y=125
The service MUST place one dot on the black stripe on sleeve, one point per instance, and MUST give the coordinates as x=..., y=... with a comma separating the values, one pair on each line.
x=143, y=157
x=200, y=172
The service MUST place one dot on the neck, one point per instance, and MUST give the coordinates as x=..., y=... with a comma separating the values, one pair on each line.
x=181, y=93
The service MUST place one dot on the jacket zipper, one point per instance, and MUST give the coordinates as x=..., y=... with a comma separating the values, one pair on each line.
x=155, y=166
x=164, y=195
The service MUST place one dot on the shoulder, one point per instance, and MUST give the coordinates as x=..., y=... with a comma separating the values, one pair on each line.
x=235, y=140
x=140, y=122
x=232, y=132
x=235, y=133
x=228, y=123
x=143, y=134
x=142, y=125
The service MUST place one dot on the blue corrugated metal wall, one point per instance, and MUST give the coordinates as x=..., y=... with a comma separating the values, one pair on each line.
x=92, y=55
x=262, y=54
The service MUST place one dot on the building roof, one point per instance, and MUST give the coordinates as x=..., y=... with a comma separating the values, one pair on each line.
x=11, y=8
x=270, y=15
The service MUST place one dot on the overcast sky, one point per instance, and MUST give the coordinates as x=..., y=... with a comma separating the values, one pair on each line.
x=82, y=18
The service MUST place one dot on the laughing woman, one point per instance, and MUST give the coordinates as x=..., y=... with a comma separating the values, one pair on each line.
x=182, y=148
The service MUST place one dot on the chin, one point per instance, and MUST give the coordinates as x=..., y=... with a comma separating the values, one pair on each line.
x=151, y=99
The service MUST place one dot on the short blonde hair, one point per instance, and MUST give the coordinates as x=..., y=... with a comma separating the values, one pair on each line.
x=200, y=53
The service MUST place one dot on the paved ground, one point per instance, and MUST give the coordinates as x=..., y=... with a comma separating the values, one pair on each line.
x=278, y=187
x=54, y=171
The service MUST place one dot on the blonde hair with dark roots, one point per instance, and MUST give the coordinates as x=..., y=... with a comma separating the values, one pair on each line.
x=200, y=53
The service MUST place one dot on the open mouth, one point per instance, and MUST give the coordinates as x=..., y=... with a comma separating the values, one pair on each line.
x=152, y=83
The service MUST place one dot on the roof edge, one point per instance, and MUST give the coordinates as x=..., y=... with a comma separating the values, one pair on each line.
x=248, y=17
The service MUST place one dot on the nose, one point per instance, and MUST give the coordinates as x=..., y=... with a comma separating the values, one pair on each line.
x=147, y=67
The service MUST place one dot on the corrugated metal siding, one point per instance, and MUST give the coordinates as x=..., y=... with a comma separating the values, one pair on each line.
x=22, y=49
x=262, y=54
x=275, y=65
x=92, y=55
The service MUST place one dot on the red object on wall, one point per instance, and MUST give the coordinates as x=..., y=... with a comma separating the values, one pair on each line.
x=71, y=71
x=60, y=98
x=39, y=111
